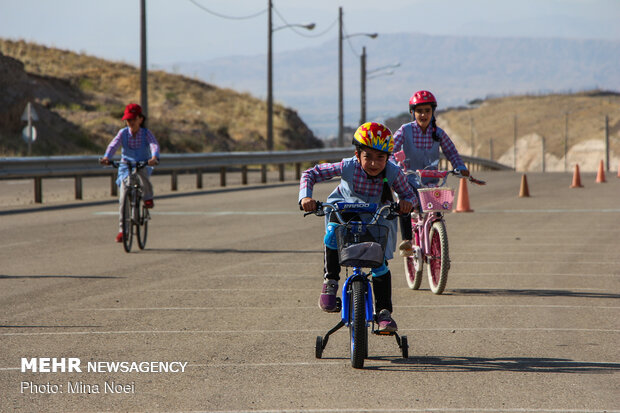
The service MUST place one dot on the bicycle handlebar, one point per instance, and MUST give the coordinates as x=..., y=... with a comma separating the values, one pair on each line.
x=137, y=165
x=339, y=207
x=430, y=173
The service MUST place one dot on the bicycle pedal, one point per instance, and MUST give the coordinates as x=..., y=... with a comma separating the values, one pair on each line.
x=383, y=333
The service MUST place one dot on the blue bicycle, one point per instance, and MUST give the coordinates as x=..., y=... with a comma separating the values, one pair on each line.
x=360, y=245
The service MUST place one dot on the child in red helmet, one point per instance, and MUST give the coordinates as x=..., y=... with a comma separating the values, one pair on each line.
x=138, y=145
x=421, y=140
x=366, y=177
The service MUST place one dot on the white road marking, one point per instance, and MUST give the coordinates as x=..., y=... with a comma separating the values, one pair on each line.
x=161, y=332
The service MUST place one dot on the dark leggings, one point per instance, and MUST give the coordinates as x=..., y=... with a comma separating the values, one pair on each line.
x=381, y=286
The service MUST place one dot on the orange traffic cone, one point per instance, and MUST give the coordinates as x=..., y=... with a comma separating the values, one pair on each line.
x=524, y=191
x=600, y=176
x=462, y=204
x=618, y=169
x=576, y=178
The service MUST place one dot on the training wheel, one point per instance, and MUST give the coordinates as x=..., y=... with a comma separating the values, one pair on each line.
x=318, y=350
x=404, y=347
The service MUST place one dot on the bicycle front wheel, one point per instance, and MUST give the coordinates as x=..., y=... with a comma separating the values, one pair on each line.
x=357, y=328
x=438, y=258
x=127, y=221
x=142, y=225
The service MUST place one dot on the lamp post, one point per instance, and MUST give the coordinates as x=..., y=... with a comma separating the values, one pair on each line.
x=143, y=72
x=340, y=83
x=364, y=76
x=270, y=71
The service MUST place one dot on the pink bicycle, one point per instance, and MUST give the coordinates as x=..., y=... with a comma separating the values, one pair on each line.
x=430, y=237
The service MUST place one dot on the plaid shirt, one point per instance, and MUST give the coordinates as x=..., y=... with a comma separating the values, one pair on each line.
x=362, y=183
x=133, y=141
x=425, y=141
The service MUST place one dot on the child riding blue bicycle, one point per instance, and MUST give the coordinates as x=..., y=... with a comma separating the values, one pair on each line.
x=366, y=177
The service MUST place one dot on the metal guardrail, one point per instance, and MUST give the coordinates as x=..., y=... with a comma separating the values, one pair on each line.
x=77, y=167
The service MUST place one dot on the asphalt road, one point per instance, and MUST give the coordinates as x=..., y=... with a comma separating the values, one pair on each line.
x=229, y=281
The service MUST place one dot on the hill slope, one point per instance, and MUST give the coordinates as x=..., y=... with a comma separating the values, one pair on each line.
x=80, y=100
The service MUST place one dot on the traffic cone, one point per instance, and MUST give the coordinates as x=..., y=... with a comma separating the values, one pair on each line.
x=600, y=176
x=462, y=205
x=524, y=191
x=618, y=169
x=576, y=178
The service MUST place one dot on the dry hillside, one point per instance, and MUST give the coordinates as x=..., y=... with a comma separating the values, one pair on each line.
x=80, y=101
x=537, y=117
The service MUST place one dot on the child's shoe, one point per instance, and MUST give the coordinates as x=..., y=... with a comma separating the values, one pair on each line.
x=149, y=203
x=327, y=299
x=119, y=237
x=385, y=321
x=405, y=248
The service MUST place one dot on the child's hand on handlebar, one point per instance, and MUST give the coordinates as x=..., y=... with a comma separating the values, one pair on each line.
x=404, y=206
x=153, y=161
x=308, y=204
x=104, y=161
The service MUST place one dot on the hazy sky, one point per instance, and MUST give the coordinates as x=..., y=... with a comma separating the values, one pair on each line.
x=181, y=31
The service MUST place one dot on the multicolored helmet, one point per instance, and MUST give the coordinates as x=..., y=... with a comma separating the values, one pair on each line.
x=374, y=135
x=420, y=97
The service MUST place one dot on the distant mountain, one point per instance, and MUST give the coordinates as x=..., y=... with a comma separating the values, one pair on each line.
x=456, y=69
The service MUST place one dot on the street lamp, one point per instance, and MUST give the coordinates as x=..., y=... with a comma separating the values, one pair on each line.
x=364, y=76
x=270, y=73
x=340, y=84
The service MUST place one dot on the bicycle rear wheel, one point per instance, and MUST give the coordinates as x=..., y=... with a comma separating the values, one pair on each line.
x=438, y=258
x=142, y=226
x=127, y=221
x=357, y=328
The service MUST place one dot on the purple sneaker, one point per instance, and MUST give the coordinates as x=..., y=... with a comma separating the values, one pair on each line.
x=386, y=324
x=327, y=299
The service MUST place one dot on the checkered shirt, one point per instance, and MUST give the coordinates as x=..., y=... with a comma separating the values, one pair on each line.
x=362, y=183
x=425, y=141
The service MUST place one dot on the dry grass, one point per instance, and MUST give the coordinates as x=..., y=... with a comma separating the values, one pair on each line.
x=185, y=114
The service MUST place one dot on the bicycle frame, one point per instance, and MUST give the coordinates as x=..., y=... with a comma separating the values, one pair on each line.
x=347, y=313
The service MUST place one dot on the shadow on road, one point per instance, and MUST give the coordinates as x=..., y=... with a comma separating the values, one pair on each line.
x=532, y=293
x=511, y=364
x=95, y=277
x=228, y=251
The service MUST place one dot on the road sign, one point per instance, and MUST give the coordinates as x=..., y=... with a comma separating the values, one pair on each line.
x=29, y=112
x=26, y=134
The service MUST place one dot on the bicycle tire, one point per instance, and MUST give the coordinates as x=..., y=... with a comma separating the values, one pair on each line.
x=438, y=258
x=413, y=277
x=142, y=226
x=127, y=221
x=357, y=327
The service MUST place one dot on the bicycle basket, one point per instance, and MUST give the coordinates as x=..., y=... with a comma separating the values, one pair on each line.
x=436, y=199
x=361, y=245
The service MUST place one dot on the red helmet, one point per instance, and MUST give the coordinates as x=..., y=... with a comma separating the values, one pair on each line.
x=420, y=97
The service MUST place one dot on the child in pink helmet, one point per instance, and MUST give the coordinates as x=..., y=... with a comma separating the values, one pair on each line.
x=421, y=141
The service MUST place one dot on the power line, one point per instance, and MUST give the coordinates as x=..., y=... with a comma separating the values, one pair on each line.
x=228, y=17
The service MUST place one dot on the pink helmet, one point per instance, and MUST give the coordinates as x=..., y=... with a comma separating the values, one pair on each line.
x=420, y=97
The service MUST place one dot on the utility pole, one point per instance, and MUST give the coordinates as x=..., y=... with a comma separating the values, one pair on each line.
x=143, y=71
x=340, y=86
x=607, y=142
x=565, y=141
x=514, y=150
x=363, y=86
x=269, y=81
